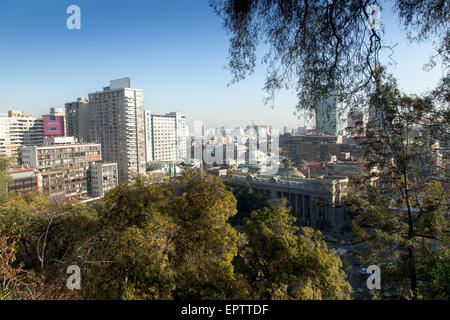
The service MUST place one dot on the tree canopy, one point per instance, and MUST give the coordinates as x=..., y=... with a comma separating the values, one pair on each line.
x=317, y=46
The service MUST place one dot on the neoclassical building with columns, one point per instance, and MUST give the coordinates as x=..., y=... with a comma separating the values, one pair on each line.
x=311, y=200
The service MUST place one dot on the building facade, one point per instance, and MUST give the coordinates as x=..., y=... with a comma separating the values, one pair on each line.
x=148, y=136
x=168, y=137
x=312, y=148
x=63, y=168
x=24, y=180
x=77, y=119
x=18, y=129
x=327, y=115
x=311, y=201
x=117, y=122
x=102, y=178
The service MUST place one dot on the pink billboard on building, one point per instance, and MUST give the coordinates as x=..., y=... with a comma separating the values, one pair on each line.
x=53, y=125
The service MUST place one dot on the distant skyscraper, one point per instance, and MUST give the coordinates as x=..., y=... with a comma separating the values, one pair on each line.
x=77, y=119
x=117, y=122
x=327, y=115
x=18, y=129
x=168, y=136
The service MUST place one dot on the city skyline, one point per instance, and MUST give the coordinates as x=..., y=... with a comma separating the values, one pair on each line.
x=175, y=53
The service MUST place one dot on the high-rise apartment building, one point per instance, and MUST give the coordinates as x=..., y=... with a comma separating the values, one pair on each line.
x=327, y=115
x=168, y=137
x=18, y=129
x=148, y=136
x=117, y=122
x=77, y=119
x=63, y=168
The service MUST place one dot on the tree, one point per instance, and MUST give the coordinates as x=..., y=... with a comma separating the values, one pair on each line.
x=400, y=199
x=230, y=173
x=44, y=237
x=247, y=202
x=206, y=245
x=318, y=46
x=166, y=241
x=15, y=282
x=437, y=275
x=287, y=163
x=280, y=264
x=132, y=262
x=131, y=257
x=5, y=164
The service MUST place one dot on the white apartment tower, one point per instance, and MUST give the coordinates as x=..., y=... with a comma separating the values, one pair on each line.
x=116, y=117
x=18, y=129
x=168, y=135
x=77, y=119
x=148, y=136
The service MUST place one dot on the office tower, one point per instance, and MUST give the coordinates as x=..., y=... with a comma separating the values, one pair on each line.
x=148, y=136
x=117, y=122
x=77, y=119
x=18, y=129
x=62, y=167
x=168, y=137
x=327, y=115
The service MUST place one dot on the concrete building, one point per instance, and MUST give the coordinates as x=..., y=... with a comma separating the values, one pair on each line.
x=102, y=178
x=148, y=136
x=318, y=148
x=52, y=140
x=24, y=180
x=18, y=129
x=77, y=119
x=312, y=201
x=168, y=137
x=342, y=168
x=117, y=122
x=63, y=168
x=312, y=148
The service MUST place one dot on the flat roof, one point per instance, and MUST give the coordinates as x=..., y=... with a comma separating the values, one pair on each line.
x=63, y=145
x=18, y=170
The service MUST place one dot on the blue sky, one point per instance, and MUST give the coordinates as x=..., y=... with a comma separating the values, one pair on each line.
x=176, y=51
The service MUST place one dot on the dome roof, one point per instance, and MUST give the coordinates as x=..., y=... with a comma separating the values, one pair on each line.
x=292, y=172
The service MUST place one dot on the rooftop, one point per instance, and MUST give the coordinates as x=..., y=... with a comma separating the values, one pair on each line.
x=64, y=145
x=18, y=170
x=283, y=179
